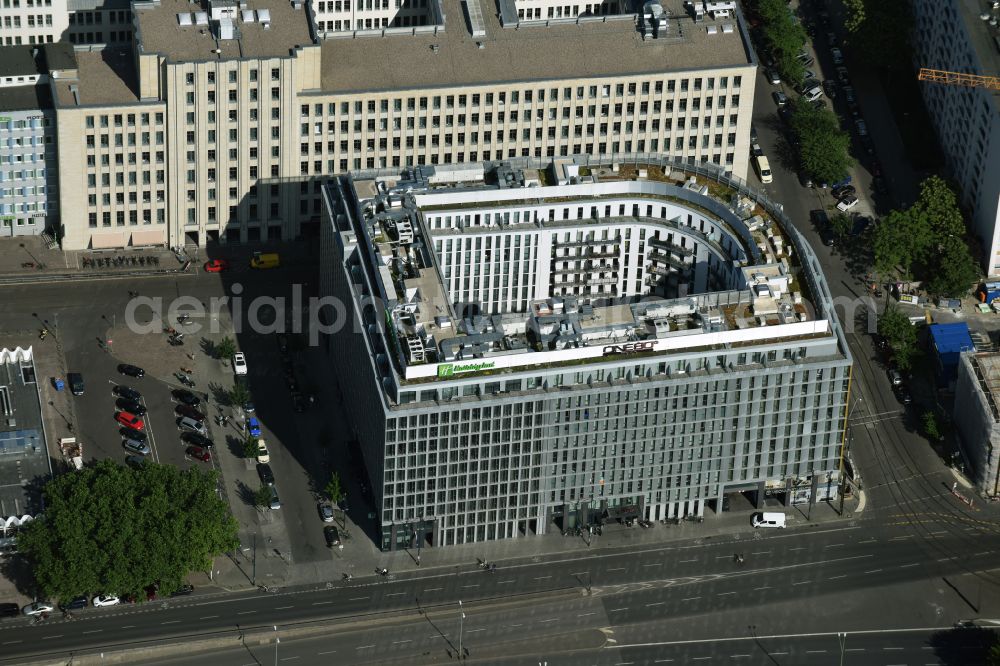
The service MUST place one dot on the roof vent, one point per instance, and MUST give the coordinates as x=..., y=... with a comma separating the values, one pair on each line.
x=248, y=16
x=226, y=28
x=201, y=18
x=264, y=16
x=435, y=48
x=480, y=45
x=727, y=28
x=712, y=30
x=185, y=19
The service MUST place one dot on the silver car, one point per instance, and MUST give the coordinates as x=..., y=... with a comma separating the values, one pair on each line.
x=135, y=446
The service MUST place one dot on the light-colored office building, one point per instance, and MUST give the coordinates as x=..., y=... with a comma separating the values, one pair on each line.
x=93, y=22
x=977, y=417
x=24, y=22
x=256, y=109
x=953, y=36
x=526, y=345
x=29, y=171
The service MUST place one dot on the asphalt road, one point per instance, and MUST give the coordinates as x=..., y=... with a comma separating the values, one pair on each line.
x=625, y=588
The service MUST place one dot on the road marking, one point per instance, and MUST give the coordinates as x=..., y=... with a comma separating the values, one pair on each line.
x=686, y=561
x=16, y=642
x=401, y=642
x=579, y=573
x=335, y=652
x=92, y=631
x=357, y=598
x=275, y=608
x=837, y=577
x=799, y=548
x=321, y=603
x=246, y=612
x=170, y=622
x=394, y=594
x=855, y=649
x=551, y=619
x=505, y=582
x=668, y=661
x=722, y=594
x=129, y=626
x=892, y=648
x=617, y=569
x=985, y=552
x=761, y=552
x=613, y=610
x=722, y=557
x=472, y=631
x=690, y=598
x=542, y=577
x=586, y=614
x=212, y=617
x=779, y=654
x=738, y=656
x=364, y=647
x=833, y=545
x=699, y=658
x=288, y=658
x=815, y=651
x=654, y=564
x=906, y=566
x=475, y=585
x=802, y=582
x=56, y=636
x=873, y=571
x=517, y=625
x=766, y=587
x=433, y=589
x=657, y=603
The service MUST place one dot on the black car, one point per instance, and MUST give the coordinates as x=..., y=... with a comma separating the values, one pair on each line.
x=197, y=440
x=130, y=406
x=76, y=603
x=902, y=394
x=843, y=191
x=137, y=435
x=75, y=380
x=827, y=236
x=190, y=412
x=186, y=397
x=183, y=590
x=248, y=407
x=332, y=536
x=127, y=392
x=131, y=370
x=265, y=474
x=10, y=610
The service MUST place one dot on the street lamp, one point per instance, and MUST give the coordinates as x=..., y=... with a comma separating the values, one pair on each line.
x=461, y=627
x=277, y=641
x=842, y=639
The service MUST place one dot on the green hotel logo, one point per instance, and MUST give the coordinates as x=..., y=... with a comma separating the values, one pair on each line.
x=452, y=369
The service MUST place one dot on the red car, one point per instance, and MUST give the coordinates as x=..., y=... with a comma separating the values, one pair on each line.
x=216, y=266
x=199, y=453
x=130, y=420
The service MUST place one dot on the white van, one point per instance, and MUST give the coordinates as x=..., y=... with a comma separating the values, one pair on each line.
x=763, y=169
x=767, y=519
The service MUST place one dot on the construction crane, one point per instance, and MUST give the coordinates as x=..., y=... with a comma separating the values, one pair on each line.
x=959, y=79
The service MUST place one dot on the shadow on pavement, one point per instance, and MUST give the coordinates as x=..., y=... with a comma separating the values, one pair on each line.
x=961, y=646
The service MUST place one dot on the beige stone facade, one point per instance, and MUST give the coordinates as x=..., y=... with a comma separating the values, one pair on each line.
x=240, y=132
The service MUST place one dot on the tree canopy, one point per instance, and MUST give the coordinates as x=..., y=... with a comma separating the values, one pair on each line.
x=879, y=31
x=783, y=37
x=334, y=490
x=896, y=328
x=822, y=145
x=111, y=529
x=928, y=239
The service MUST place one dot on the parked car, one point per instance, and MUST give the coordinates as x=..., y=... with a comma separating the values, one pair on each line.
x=137, y=435
x=325, y=512
x=134, y=460
x=195, y=439
x=838, y=57
x=861, y=126
x=878, y=184
x=103, y=600
x=186, y=397
x=126, y=392
x=240, y=363
x=755, y=149
x=902, y=394
x=753, y=134
x=265, y=474
x=135, y=446
x=187, y=423
x=130, y=406
x=843, y=75
x=331, y=535
x=847, y=203
x=183, y=590
x=275, y=503
x=895, y=377
x=131, y=370
x=76, y=603
x=262, y=453
x=216, y=265
x=806, y=59
x=831, y=38
x=75, y=380
x=842, y=191
x=37, y=608
x=189, y=411
x=9, y=610
x=779, y=98
x=830, y=88
x=249, y=407
x=827, y=236
x=199, y=453
x=852, y=102
x=253, y=426
x=130, y=420
x=772, y=76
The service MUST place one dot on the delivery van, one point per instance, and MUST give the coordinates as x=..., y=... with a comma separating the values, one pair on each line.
x=768, y=519
x=763, y=169
x=265, y=260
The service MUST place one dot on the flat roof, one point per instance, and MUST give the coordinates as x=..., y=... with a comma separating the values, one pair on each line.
x=19, y=61
x=59, y=55
x=105, y=77
x=160, y=32
x=530, y=53
x=25, y=98
x=24, y=461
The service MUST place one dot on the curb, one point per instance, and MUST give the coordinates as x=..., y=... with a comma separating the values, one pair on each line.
x=106, y=275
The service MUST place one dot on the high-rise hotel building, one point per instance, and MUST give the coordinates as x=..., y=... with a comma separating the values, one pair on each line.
x=526, y=345
x=221, y=120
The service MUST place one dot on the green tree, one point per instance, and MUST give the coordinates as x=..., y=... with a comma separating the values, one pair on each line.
x=879, y=32
x=953, y=271
x=896, y=328
x=333, y=489
x=239, y=395
x=115, y=529
x=855, y=15
x=900, y=241
x=783, y=37
x=931, y=428
x=250, y=447
x=262, y=497
x=993, y=658
x=226, y=348
x=841, y=224
x=823, y=146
